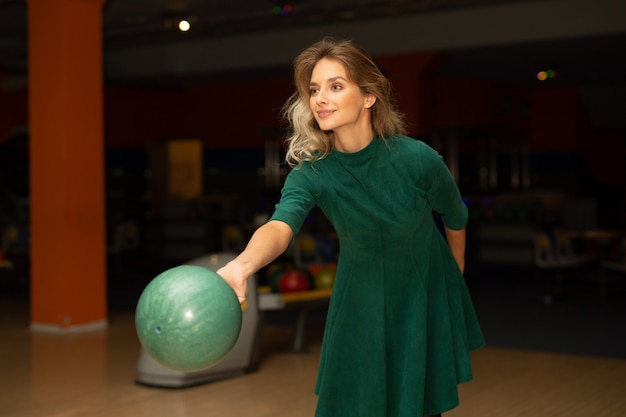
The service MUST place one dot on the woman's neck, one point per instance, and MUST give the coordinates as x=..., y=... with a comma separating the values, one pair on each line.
x=353, y=140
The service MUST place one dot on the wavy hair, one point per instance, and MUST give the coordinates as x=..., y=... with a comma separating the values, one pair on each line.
x=305, y=140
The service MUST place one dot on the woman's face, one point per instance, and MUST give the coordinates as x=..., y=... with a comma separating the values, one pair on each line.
x=337, y=103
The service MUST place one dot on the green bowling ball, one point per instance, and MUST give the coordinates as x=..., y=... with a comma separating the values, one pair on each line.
x=188, y=318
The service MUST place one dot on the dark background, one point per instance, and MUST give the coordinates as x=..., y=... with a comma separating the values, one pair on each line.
x=464, y=72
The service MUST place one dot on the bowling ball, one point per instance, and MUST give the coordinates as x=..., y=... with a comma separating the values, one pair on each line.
x=309, y=276
x=275, y=278
x=188, y=318
x=307, y=244
x=325, y=278
x=273, y=268
x=315, y=268
x=293, y=280
x=327, y=248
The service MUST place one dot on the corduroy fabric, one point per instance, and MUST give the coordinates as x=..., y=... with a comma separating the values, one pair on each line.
x=400, y=323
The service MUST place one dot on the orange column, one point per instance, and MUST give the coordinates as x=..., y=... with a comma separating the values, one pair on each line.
x=68, y=276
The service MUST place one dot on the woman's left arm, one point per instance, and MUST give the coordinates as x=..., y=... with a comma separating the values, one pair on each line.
x=456, y=241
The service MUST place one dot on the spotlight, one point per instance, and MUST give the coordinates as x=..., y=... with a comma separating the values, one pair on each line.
x=184, y=25
x=548, y=74
x=283, y=11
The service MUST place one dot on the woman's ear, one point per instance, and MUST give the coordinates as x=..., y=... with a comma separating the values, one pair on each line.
x=370, y=99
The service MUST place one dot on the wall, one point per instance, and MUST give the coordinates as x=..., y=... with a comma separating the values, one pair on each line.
x=225, y=115
x=13, y=111
x=557, y=119
x=493, y=23
x=233, y=114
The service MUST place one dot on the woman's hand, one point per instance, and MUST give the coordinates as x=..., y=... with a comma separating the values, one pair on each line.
x=456, y=241
x=235, y=276
x=266, y=244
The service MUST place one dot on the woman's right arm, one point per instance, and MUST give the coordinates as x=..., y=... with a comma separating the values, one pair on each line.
x=266, y=244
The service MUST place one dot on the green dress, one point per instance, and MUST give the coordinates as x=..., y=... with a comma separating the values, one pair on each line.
x=400, y=323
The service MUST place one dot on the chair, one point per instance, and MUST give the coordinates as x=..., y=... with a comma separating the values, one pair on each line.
x=125, y=238
x=612, y=266
x=556, y=254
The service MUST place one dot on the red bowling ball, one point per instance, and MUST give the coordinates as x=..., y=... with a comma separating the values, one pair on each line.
x=293, y=281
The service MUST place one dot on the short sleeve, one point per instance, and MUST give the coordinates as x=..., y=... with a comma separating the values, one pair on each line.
x=442, y=192
x=298, y=197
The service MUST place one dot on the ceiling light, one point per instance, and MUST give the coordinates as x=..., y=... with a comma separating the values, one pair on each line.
x=184, y=25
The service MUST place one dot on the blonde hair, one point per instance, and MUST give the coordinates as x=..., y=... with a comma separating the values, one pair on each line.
x=305, y=140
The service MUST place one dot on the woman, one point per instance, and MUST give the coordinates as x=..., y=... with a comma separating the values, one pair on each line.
x=400, y=322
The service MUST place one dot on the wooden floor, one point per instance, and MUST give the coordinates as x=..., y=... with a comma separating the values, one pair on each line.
x=93, y=374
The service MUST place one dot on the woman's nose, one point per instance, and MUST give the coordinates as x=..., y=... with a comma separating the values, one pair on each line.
x=321, y=96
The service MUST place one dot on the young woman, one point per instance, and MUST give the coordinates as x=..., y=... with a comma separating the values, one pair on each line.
x=400, y=323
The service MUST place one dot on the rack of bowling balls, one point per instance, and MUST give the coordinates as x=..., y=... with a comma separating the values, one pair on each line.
x=288, y=278
x=313, y=266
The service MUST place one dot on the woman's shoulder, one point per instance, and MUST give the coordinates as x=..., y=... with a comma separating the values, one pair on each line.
x=306, y=167
x=307, y=171
x=406, y=145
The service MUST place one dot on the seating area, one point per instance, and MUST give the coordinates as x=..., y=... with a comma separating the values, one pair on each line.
x=554, y=253
x=613, y=266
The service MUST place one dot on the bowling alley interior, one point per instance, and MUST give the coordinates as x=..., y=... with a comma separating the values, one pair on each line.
x=138, y=136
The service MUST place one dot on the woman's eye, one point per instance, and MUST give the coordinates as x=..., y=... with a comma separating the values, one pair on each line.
x=337, y=87
x=313, y=91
